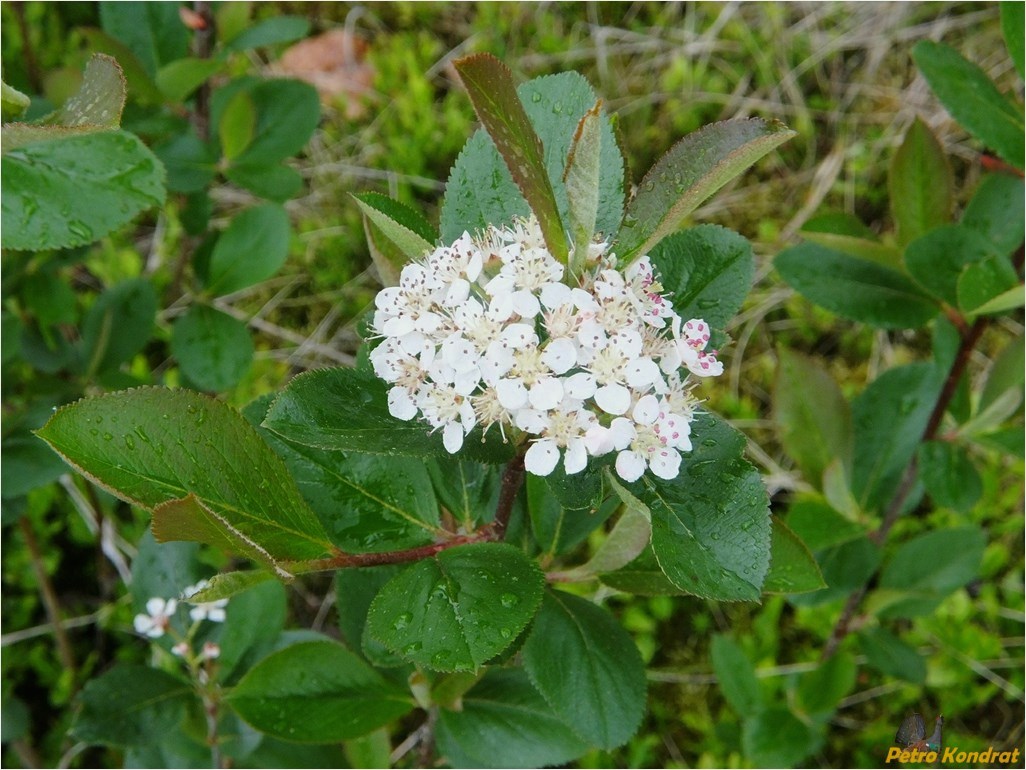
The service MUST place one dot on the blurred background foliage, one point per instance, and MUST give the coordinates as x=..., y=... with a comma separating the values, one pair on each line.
x=393, y=120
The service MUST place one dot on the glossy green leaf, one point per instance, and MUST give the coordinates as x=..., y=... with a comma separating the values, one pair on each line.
x=154, y=447
x=152, y=31
x=693, y=169
x=920, y=184
x=983, y=286
x=735, y=675
x=845, y=233
x=708, y=272
x=178, y=79
x=710, y=525
x=118, y=324
x=936, y=260
x=359, y=587
x=213, y=349
x=972, y=99
x=458, y=609
x=820, y=690
x=58, y=194
x=889, y=655
x=228, y=584
x=625, y=542
x=855, y=288
x=131, y=705
x=587, y=668
x=347, y=410
x=777, y=738
x=997, y=211
x=237, y=126
x=272, y=31
x=889, y=418
x=792, y=569
x=557, y=527
x=325, y=692
x=489, y=85
x=250, y=250
x=581, y=178
x=1013, y=20
x=504, y=722
x=367, y=503
x=813, y=416
x=384, y=215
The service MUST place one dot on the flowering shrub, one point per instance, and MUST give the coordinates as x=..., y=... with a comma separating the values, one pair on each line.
x=546, y=327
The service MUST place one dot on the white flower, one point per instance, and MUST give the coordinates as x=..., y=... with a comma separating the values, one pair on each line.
x=483, y=332
x=181, y=649
x=211, y=650
x=212, y=611
x=157, y=618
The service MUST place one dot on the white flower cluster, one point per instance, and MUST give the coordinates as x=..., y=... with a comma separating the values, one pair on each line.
x=483, y=332
x=157, y=618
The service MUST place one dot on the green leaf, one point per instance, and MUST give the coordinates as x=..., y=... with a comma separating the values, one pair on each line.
x=13, y=102
x=400, y=232
x=505, y=722
x=813, y=416
x=936, y=260
x=228, y=584
x=140, y=82
x=152, y=447
x=557, y=528
x=708, y=271
x=489, y=85
x=931, y=566
x=736, y=676
x=27, y=465
x=581, y=177
x=1005, y=374
x=845, y=233
x=587, y=668
x=58, y=194
x=468, y=490
x=972, y=99
x=347, y=410
x=889, y=418
x=131, y=705
x=792, y=569
x=15, y=720
x=213, y=349
x=366, y=503
x=371, y=750
x=642, y=577
x=163, y=569
x=287, y=111
x=250, y=250
x=694, y=168
x=710, y=525
x=480, y=191
x=820, y=526
x=459, y=609
x=273, y=31
x=986, y=283
x=777, y=738
x=118, y=324
x=153, y=32
x=238, y=123
x=317, y=692
x=920, y=184
x=855, y=288
x=191, y=164
x=254, y=621
x=820, y=690
x=274, y=182
x=889, y=655
x=1003, y=302
x=359, y=587
x=628, y=538
x=178, y=79
x=997, y=210
x=845, y=567
x=1012, y=23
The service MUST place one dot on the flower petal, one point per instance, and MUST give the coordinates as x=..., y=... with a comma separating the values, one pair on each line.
x=546, y=393
x=452, y=437
x=401, y=404
x=560, y=355
x=581, y=385
x=613, y=399
x=629, y=465
x=542, y=457
x=512, y=394
x=576, y=456
x=646, y=411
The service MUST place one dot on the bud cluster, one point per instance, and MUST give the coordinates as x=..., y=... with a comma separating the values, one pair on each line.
x=484, y=332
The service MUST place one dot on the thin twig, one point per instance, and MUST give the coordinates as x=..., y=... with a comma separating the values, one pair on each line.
x=49, y=596
x=512, y=480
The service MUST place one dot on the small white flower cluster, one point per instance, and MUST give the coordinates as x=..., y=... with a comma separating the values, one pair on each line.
x=483, y=332
x=157, y=618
